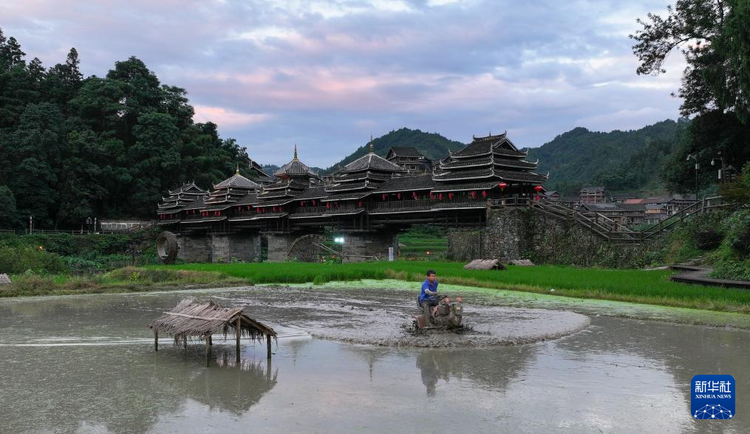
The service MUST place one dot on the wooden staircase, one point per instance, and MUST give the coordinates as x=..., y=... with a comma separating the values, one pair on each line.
x=613, y=231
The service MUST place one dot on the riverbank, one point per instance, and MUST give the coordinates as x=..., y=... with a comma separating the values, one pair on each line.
x=636, y=286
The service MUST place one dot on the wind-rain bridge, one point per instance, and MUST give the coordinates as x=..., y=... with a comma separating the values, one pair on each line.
x=479, y=194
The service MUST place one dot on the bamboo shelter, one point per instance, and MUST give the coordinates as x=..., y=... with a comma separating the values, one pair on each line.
x=190, y=319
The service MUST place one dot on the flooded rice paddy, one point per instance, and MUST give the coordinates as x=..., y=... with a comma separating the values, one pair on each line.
x=344, y=364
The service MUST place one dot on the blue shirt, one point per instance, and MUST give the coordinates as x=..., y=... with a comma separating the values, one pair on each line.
x=431, y=287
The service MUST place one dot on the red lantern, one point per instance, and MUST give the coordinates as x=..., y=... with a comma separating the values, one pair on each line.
x=384, y=196
x=502, y=185
x=484, y=193
x=536, y=198
x=450, y=196
x=414, y=195
x=328, y=205
x=248, y=207
x=432, y=196
x=538, y=188
x=274, y=209
x=360, y=204
x=473, y=194
x=398, y=195
x=440, y=196
x=314, y=203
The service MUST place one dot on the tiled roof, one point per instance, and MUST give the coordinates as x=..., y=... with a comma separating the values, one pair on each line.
x=295, y=168
x=188, y=188
x=356, y=195
x=486, y=161
x=312, y=193
x=507, y=175
x=407, y=183
x=197, y=204
x=350, y=186
x=405, y=151
x=371, y=161
x=445, y=187
x=237, y=181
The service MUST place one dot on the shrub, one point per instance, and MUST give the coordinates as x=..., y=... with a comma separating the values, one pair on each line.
x=707, y=239
x=18, y=260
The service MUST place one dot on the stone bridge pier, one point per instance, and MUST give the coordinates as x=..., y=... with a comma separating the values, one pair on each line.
x=505, y=237
x=279, y=245
x=219, y=247
x=367, y=246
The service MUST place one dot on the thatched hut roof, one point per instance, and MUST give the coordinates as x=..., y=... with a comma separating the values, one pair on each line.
x=193, y=319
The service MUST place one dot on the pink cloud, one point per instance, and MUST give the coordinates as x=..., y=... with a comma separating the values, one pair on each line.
x=226, y=118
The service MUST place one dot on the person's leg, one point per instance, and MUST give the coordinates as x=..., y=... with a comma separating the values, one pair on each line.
x=426, y=313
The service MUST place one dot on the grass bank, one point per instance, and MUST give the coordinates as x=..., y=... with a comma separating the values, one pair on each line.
x=128, y=279
x=638, y=286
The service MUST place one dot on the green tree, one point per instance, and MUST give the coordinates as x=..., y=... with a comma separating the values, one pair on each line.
x=34, y=151
x=714, y=37
x=8, y=216
x=64, y=81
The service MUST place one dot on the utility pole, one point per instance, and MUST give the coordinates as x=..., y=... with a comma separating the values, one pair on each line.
x=697, y=166
x=721, y=176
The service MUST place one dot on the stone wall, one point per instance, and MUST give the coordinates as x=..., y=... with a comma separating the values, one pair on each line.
x=278, y=246
x=506, y=235
x=464, y=245
x=218, y=247
x=524, y=233
x=363, y=246
x=235, y=247
x=194, y=247
x=553, y=241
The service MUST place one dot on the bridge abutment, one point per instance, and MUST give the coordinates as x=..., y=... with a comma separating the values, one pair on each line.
x=194, y=247
x=243, y=247
x=367, y=246
x=279, y=245
x=208, y=247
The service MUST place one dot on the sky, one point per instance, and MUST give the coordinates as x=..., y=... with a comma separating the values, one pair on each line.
x=327, y=74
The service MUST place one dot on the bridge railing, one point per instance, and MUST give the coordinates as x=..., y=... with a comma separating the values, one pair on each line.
x=401, y=205
x=510, y=201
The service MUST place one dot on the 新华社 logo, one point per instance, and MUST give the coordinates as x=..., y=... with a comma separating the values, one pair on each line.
x=712, y=397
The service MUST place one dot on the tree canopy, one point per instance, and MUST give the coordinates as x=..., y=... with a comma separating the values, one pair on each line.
x=714, y=37
x=73, y=147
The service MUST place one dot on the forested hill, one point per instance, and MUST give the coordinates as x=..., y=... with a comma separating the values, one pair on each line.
x=620, y=160
x=73, y=147
x=432, y=145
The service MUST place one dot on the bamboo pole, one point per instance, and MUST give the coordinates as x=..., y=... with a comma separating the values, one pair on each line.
x=156, y=340
x=239, y=333
x=268, y=345
x=208, y=354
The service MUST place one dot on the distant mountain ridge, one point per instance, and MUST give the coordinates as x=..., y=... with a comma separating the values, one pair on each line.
x=618, y=160
x=431, y=145
x=621, y=161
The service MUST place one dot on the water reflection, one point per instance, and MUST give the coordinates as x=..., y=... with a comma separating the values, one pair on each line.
x=125, y=389
x=489, y=369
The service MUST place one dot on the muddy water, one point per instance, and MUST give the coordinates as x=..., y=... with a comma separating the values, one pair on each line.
x=86, y=364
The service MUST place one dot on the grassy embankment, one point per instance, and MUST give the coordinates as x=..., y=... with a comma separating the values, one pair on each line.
x=128, y=279
x=639, y=286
